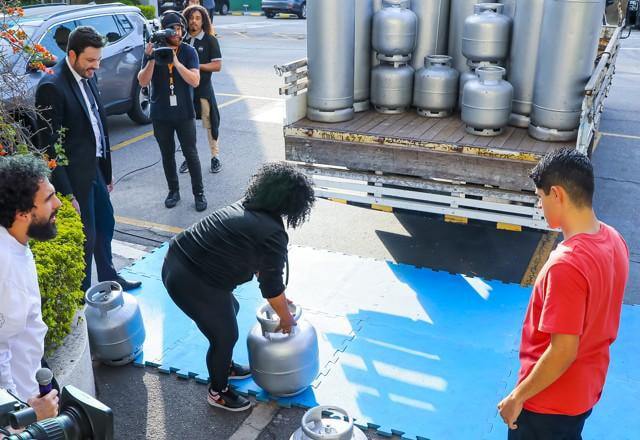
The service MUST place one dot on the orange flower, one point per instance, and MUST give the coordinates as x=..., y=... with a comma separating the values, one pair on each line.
x=39, y=48
x=52, y=164
x=3, y=153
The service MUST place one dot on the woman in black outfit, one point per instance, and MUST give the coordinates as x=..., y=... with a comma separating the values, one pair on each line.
x=206, y=262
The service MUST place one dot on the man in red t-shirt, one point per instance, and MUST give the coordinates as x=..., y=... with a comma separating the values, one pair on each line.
x=574, y=310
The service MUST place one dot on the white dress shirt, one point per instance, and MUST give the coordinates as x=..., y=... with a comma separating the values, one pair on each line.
x=94, y=121
x=22, y=330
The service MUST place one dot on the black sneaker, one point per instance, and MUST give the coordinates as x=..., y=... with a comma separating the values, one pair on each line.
x=228, y=400
x=201, y=202
x=216, y=166
x=184, y=168
x=238, y=371
x=172, y=199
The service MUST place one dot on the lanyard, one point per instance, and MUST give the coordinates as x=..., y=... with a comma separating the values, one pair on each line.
x=171, y=87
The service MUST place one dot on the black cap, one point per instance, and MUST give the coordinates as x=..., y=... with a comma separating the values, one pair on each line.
x=170, y=19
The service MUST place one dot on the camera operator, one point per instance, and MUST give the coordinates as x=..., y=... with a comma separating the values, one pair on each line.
x=28, y=206
x=201, y=37
x=172, y=88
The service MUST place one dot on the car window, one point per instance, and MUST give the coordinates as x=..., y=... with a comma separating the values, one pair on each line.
x=105, y=25
x=126, y=27
x=56, y=38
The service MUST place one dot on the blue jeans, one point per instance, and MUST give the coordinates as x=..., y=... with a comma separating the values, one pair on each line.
x=535, y=426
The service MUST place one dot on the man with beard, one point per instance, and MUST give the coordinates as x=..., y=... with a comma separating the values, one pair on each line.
x=28, y=206
x=202, y=39
x=172, y=109
x=69, y=99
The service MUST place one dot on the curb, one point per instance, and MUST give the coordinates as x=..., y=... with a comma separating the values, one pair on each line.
x=71, y=362
x=251, y=14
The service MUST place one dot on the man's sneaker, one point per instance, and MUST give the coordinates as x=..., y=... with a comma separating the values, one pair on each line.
x=201, y=202
x=238, y=371
x=172, y=199
x=228, y=400
x=216, y=166
x=184, y=168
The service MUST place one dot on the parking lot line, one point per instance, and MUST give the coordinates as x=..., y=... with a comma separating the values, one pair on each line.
x=150, y=133
x=264, y=98
x=625, y=136
x=148, y=225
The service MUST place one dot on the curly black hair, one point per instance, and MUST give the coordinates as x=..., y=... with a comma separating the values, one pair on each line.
x=569, y=169
x=281, y=189
x=20, y=177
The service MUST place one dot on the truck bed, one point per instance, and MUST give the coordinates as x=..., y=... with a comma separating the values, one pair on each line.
x=409, y=144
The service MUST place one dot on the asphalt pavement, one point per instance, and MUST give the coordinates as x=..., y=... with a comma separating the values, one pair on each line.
x=151, y=405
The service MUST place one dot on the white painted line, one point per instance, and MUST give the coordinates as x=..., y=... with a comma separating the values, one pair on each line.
x=261, y=415
x=127, y=250
x=264, y=98
x=273, y=114
x=625, y=136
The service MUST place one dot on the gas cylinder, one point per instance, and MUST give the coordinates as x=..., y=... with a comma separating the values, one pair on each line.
x=394, y=31
x=486, y=102
x=392, y=87
x=435, y=87
x=486, y=35
x=114, y=323
x=282, y=364
x=316, y=426
x=464, y=78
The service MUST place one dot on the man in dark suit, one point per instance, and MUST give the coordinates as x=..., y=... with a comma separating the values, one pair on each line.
x=69, y=99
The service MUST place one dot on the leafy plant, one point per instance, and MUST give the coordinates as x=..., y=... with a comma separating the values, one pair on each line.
x=149, y=11
x=60, y=266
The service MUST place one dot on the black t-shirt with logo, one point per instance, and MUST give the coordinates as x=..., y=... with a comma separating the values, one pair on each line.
x=161, y=109
x=208, y=50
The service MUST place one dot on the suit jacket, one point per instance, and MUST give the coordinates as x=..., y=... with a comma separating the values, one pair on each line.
x=60, y=100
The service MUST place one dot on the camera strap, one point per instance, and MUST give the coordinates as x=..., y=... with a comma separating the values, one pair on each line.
x=170, y=65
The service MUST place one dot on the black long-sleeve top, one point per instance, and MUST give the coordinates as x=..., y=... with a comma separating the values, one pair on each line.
x=233, y=243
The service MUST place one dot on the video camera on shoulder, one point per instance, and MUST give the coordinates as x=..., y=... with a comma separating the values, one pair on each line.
x=81, y=417
x=161, y=52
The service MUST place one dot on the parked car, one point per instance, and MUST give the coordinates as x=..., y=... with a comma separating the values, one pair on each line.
x=222, y=6
x=273, y=7
x=632, y=13
x=125, y=29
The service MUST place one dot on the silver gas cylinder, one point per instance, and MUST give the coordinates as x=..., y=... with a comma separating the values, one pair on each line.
x=392, y=87
x=566, y=55
x=435, y=87
x=318, y=425
x=330, y=58
x=521, y=73
x=460, y=10
x=282, y=364
x=114, y=323
x=486, y=34
x=464, y=78
x=433, y=25
x=486, y=102
x=394, y=31
x=362, y=65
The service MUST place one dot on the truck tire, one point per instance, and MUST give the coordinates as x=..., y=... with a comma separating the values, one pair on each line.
x=140, y=111
x=302, y=15
x=270, y=14
x=224, y=8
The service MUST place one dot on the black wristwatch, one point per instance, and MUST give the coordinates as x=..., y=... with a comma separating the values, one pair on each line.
x=147, y=58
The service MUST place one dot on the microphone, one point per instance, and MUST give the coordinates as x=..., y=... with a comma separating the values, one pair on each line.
x=44, y=376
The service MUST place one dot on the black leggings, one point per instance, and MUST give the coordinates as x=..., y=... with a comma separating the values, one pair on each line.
x=535, y=426
x=213, y=310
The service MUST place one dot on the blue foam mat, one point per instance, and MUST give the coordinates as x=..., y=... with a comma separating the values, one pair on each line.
x=405, y=350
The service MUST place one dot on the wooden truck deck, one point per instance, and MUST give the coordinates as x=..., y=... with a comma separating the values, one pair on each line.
x=413, y=145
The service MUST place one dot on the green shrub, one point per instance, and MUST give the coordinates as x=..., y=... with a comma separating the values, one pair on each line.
x=149, y=11
x=60, y=266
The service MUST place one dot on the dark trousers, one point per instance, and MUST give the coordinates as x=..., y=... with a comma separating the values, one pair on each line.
x=535, y=426
x=186, y=130
x=96, y=213
x=213, y=310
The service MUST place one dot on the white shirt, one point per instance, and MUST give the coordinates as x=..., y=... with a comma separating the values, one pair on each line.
x=22, y=330
x=94, y=121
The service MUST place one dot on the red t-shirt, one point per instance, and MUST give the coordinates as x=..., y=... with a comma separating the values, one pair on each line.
x=579, y=291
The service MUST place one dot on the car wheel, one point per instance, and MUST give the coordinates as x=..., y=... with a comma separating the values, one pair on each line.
x=303, y=12
x=270, y=14
x=224, y=9
x=140, y=111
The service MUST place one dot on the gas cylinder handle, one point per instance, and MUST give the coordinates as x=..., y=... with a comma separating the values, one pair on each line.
x=314, y=415
x=269, y=319
x=104, y=296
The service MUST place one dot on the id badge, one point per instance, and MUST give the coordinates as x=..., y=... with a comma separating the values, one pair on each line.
x=173, y=100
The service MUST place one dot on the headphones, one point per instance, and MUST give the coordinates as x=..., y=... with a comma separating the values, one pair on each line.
x=180, y=18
